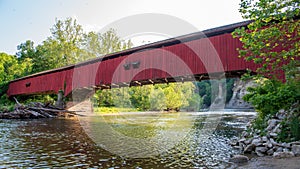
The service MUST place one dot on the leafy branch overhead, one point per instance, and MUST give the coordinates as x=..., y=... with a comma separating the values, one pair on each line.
x=272, y=42
x=272, y=39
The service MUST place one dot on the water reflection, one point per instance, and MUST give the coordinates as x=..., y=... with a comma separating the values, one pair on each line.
x=138, y=136
x=63, y=143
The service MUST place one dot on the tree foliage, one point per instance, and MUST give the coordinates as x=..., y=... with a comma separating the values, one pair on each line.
x=272, y=39
x=10, y=68
x=68, y=44
x=174, y=96
x=269, y=97
x=98, y=45
x=157, y=99
x=208, y=90
x=59, y=49
x=272, y=42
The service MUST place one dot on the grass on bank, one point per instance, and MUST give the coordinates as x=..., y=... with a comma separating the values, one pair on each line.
x=111, y=110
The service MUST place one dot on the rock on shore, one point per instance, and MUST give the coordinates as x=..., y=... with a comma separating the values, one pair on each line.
x=253, y=143
x=239, y=159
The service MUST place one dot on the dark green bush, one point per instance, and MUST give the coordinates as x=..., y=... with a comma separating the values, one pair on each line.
x=291, y=126
x=271, y=96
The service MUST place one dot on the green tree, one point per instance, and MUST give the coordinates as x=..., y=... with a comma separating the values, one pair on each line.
x=112, y=43
x=272, y=39
x=204, y=88
x=195, y=103
x=68, y=34
x=26, y=50
x=48, y=56
x=157, y=99
x=269, y=96
x=103, y=98
x=140, y=97
x=10, y=68
x=60, y=49
x=98, y=45
x=69, y=45
x=190, y=99
x=173, y=97
x=208, y=90
x=92, y=45
x=121, y=97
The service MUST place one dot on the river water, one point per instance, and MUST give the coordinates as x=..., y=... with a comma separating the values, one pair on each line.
x=144, y=140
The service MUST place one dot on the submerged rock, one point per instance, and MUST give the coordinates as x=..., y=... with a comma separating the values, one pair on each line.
x=233, y=142
x=261, y=149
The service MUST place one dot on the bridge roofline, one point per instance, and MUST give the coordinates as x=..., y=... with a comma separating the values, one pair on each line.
x=167, y=42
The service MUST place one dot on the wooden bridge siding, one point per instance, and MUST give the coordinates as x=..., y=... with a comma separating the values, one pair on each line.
x=67, y=76
x=231, y=54
x=83, y=76
x=195, y=54
x=222, y=47
x=40, y=84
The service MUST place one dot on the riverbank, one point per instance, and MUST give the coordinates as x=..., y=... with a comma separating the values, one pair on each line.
x=35, y=110
x=269, y=162
x=273, y=144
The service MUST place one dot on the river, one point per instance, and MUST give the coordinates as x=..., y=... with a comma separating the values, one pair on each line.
x=145, y=140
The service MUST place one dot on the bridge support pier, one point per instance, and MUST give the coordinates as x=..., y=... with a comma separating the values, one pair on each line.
x=60, y=99
x=219, y=102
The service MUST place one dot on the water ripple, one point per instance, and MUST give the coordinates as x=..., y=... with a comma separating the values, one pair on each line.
x=58, y=143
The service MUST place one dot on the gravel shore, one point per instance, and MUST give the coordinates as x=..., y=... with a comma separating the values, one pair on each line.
x=271, y=163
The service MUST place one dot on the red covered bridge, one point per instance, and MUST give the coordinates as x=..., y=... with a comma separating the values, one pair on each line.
x=197, y=56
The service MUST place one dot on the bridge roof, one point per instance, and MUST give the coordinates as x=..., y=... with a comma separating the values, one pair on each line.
x=171, y=41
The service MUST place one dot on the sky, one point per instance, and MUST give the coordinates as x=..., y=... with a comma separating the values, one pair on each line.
x=143, y=21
